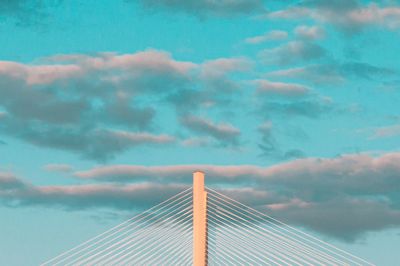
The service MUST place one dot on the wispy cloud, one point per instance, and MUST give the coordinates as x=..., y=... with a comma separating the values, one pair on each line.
x=310, y=108
x=224, y=133
x=280, y=88
x=275, y=35
x=26, y=12
x=334, y=73
x=62, y=168
x=208, y=8
x=348, y=16
x=293, y=52
x=386, y=132
x=269, y=145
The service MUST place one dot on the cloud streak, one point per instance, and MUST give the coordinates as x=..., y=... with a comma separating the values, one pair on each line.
x=334, y=73
x=61, y=168
x=135, y=197
x=224, y=133
x=301, y=190
x=275, y=35
x=206, y=7
x=348, y=16
x=281, y=88
x=386, y=132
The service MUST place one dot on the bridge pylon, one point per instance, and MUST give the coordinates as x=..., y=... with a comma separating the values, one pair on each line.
x=199, y=220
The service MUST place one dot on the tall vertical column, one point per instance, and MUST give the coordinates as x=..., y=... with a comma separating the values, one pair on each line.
x=199, y=220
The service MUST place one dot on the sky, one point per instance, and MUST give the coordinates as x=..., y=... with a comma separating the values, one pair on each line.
x=108, y=106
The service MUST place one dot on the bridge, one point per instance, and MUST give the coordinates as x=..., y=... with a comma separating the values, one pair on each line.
x=200, y=226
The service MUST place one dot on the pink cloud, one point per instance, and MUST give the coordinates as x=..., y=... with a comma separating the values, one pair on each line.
x=274, y=35
x=280, y=88
x=348, y=18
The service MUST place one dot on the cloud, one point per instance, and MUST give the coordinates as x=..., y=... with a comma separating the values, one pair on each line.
x=211, y=85
x=274, y=35
x=101, y=105
x=17, y=193
x=8, y=182
x=365, y=70
x=214, y=73
x=138, y=138
x=64, y=86
x=373, y=14
x=269, y=145
x=348, y=16
x=365, y=174
x=309, y=192
x=309, y=32
x=222, y=66
x=293, y=154
x=208, y=7
x=97, y=144
x=121, y=112
x=292, y=52
x=280, y=88
x=316, y=74
x=367, y=215
x=17, y=99
x=197, y=142
x=295, y=100
x=386, y=132
x=334, y=73
x=62, y=168
x=225, y=134
x=26, y=12
x=310, y=108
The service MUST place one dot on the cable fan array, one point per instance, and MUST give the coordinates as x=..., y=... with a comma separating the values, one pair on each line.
x=161, y=235
x=236, y=235
x=241, y=235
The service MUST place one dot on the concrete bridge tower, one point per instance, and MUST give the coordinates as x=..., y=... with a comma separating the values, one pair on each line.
x=199, y=220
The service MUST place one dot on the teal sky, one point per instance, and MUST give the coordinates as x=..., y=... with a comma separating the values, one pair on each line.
x=106, y=107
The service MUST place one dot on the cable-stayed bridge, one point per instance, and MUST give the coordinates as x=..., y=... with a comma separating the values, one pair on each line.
x=200, y=226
